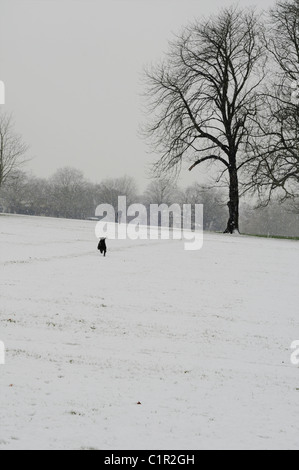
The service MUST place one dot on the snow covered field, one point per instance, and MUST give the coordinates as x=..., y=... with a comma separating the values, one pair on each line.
x=200, y=339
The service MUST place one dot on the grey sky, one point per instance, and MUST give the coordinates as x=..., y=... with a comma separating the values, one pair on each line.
x=73, y=69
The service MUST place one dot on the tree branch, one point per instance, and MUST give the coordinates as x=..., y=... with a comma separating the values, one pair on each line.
x=211, y=157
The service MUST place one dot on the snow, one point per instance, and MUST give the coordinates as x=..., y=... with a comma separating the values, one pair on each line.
x=201, y=339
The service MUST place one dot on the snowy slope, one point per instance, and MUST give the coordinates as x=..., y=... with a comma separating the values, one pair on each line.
x=201, y=339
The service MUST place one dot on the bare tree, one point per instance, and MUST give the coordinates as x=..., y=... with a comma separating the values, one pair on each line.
x=161, y=191
x=110, y=189
x=12, y=148
x=212, y=200
x=276, y=219
x=69, y=194
x=277, y=169
x=13, y=195
x=205, y=95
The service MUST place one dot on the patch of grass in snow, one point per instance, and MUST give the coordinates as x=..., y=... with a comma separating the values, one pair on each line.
x=277, y=237
x=76, y=413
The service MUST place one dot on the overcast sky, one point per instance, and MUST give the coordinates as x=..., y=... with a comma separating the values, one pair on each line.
x=73, y=76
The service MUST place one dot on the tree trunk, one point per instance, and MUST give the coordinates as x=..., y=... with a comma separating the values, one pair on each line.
x=233, y=204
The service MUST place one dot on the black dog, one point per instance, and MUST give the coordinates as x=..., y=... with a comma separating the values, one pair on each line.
x=102, y=246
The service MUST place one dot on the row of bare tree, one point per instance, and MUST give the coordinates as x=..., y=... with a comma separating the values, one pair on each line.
x=67, y=194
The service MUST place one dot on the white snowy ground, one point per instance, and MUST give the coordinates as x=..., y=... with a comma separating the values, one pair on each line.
x=201, y=339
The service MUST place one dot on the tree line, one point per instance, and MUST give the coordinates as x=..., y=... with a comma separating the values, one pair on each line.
x=68, y=194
